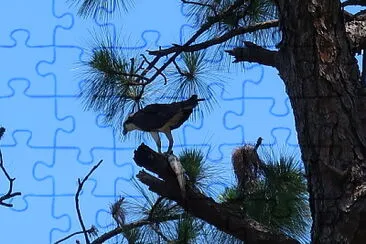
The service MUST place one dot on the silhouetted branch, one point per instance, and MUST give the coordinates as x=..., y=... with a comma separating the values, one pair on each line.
x=91, y=230
x=254, y=53
x=217, y=40
x=10, y=193
x=119, y=230
x=201, y=4
x=157, y=230
x=80, y=187
x=204, y=27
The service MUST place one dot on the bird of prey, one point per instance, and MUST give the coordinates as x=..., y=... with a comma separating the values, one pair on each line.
x=155, y=118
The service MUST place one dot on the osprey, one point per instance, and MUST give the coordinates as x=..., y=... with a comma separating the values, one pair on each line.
x=156, y=118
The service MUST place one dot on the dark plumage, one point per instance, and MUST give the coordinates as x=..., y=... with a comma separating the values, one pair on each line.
x=164, y=118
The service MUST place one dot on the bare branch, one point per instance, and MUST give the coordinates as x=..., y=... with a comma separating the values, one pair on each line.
x=108, y=235
x=217, y=40
x=10, y=193
x=254, y=53
x=204, y=27
x=165, y=79
x=201, y=206
x=80, y=187
x=157, y=230
x=92, y=229
x=178, y=68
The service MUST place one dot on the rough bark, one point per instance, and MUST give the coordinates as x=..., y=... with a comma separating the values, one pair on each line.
x=322, y=79
x=223, y=217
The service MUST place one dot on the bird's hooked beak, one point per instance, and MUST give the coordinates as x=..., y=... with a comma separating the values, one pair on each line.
x=124, y=132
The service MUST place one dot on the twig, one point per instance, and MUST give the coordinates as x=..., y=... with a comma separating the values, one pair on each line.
x=108, y=235
x=133, y=83
x=157, y=230
x=10, y=193
x=69, y=236
x=152, y=210
x=204, y=27
x=147, y=61
x=91, y=230
x=80, y=187
x=140, y=66
x=178, y=69
x=201, y=4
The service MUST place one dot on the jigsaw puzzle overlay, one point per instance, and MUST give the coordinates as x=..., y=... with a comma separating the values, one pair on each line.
x=51, y=141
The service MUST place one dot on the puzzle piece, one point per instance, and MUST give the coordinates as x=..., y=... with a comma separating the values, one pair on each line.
x=26, y=181
x=84, y=27
x=259, y=114
x=88, y=129
x=157, y=21
x=271, y=87
x=90, y=206
x=67, y=158
x=41, y=22
x=22, y=60
x=27, y=113
x=35, y=220
x=64, y=67
x=95, y=208
x=255, y=120
x=285, y=136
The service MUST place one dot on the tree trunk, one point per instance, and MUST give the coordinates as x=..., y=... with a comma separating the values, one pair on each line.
x=322, y=79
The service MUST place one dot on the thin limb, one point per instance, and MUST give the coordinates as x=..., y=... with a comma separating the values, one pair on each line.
x=156, y=137
x=10, y=193
x=147, y=61
x=201, y=4
x=80, y=187
x=91, y=230
x=156, y=229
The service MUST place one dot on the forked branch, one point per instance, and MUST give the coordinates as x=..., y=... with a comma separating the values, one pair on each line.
x=10, y=194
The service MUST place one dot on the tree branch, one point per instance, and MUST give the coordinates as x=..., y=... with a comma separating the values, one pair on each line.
x=118, y=230
x=80, y=187
x=204, y=27
x=201, y=4
x=91, y=230
x=254, y=53
x=201, y=206
x=218, y=40
x=10, y=193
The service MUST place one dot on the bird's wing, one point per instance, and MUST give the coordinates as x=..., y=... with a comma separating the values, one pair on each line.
x=154, y=116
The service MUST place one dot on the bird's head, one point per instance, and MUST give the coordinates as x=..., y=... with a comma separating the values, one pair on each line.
x=128, y=125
